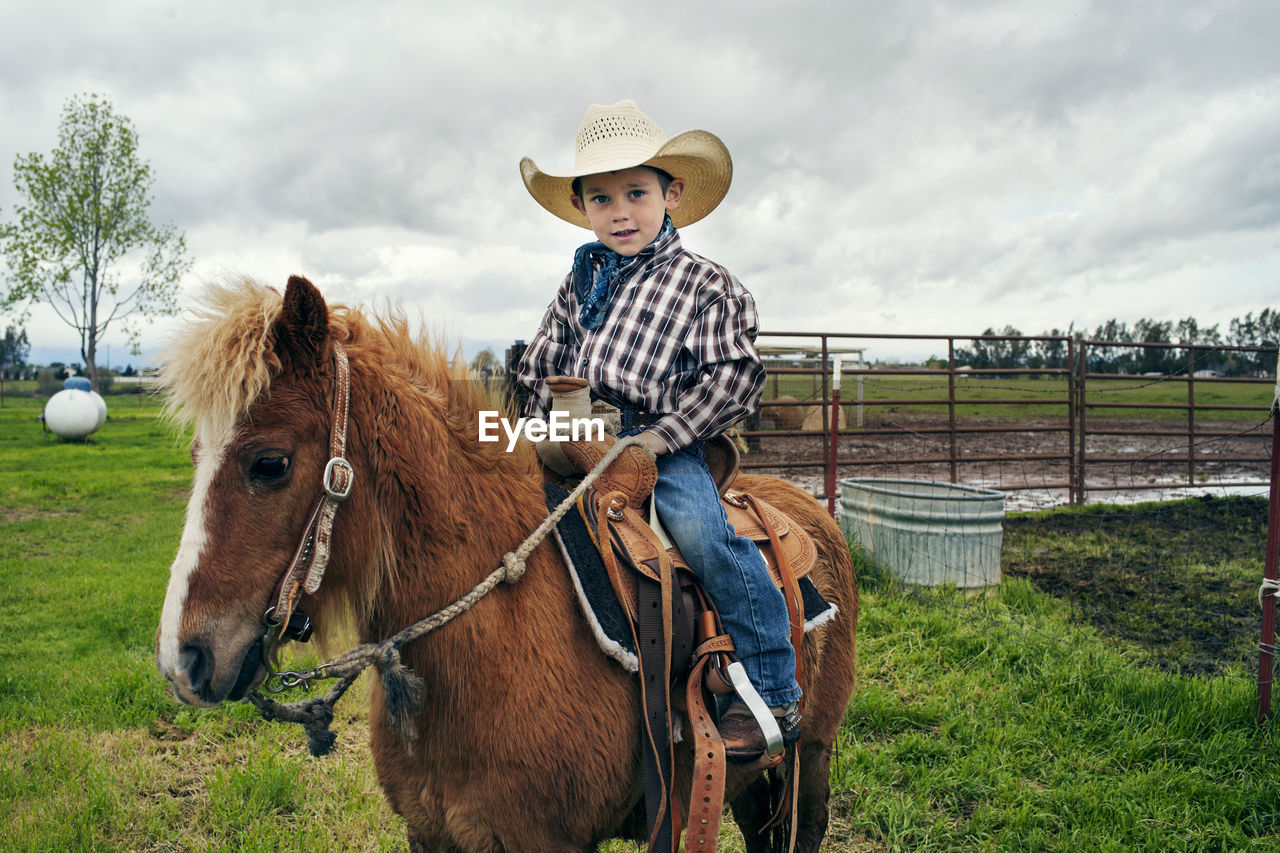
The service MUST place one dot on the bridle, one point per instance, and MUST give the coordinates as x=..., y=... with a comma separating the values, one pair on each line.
x=306, y=570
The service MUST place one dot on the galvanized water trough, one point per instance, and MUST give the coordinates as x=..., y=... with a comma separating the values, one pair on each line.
x=926, y=533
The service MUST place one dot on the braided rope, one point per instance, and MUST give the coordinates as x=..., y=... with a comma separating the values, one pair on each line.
x=404, y=689
x=1269, y=585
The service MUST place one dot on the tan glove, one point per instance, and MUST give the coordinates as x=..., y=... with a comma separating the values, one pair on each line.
x=568, y=394
x=633, y=473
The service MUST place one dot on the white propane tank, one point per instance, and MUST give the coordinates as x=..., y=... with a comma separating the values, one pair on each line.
x=72, y=413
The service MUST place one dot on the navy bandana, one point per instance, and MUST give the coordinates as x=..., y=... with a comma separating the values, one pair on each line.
x=595, y=270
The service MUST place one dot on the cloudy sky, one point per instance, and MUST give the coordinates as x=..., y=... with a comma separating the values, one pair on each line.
x=910, y=167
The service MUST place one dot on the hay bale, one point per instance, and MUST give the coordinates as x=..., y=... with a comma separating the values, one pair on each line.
x=813, y=417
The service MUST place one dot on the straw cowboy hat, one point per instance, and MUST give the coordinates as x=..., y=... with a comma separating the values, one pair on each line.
x=620, y=136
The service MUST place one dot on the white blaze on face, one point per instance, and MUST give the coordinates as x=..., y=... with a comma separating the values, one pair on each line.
x=213, y=447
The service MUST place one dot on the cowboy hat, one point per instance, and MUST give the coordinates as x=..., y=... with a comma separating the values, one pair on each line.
x=620, y=136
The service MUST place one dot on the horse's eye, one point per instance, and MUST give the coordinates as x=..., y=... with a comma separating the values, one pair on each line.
x=270, y=467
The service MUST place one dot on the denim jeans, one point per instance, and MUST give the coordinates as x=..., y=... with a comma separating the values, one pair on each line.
x=731, y=569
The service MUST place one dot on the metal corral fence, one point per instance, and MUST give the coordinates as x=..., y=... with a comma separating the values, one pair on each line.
x=1052, y=414
x=1205, y=448
x=1075, y=416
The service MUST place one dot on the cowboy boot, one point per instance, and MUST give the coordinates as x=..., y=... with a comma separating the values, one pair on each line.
x=744, y=742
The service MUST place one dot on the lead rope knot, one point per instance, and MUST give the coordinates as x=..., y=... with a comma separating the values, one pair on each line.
x=515, y=566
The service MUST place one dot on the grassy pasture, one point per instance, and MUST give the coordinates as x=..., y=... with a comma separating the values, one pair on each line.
x=94, y=755
x=991, y=723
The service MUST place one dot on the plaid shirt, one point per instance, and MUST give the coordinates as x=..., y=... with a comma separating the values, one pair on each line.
x=678, y=341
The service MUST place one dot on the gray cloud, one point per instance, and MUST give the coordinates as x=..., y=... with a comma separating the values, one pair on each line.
x=916, y=166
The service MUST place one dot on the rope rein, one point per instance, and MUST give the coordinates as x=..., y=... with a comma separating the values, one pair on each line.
x=403, y=689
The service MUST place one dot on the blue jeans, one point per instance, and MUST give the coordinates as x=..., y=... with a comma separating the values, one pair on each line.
x=731, y=569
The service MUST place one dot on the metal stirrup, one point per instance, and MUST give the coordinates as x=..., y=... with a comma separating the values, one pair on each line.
x=737, y=673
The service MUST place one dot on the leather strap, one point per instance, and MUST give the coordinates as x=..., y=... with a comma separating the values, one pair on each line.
x=655, y=688
x=706, y=797
x=795, y=614
x=650, y=624
x=306, y=570
x=653, y=611
x=793, y=794
x=601, y=537
x=291, y=583
x=790, y=587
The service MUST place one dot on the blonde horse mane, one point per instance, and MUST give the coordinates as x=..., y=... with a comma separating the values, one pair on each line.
x=222, y=358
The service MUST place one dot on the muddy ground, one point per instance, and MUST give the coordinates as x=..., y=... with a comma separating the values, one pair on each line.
x=1179, y=580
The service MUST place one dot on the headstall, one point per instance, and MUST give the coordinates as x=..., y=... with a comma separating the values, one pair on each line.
x=306, y=570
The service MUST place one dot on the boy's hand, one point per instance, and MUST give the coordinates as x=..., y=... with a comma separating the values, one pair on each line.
x=652, y=443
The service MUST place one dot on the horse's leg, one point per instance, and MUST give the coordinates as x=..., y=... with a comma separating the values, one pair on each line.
x=752, y=808
x=815, y=789
x=822, y=718
x=420, y=844
x=828, y=697
x=751, y=813
x=829, y=667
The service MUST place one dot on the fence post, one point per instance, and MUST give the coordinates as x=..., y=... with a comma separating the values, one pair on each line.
x=1191, y=416
x=1081, y=367
x=951, y=406
x=828, y=462
x=515, y=393
x=835, y=435
x=1073, y=487
x=1270, y=570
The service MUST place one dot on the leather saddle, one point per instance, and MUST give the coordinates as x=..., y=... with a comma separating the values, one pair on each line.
x=629, y=481
x=675, y=626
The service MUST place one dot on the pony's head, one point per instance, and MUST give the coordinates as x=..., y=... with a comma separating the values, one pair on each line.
x=252, y=375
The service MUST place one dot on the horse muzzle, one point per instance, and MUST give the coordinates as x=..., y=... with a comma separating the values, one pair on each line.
x=200, y=678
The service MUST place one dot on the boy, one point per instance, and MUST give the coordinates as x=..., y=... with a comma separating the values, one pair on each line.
x=667, y=337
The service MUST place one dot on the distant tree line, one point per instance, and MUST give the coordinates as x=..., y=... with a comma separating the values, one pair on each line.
x=14, y=367
x=14, y=349
x=1263, y=330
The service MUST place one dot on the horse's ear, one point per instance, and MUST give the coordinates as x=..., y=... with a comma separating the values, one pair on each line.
x=304, y=322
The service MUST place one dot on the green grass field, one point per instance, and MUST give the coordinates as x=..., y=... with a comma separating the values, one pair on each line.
x=94, y=754
x=988, y=723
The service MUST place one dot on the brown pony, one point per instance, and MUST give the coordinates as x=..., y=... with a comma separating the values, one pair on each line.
x=529, y=737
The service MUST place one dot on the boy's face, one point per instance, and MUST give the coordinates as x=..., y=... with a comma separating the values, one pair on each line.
x=625, y=209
